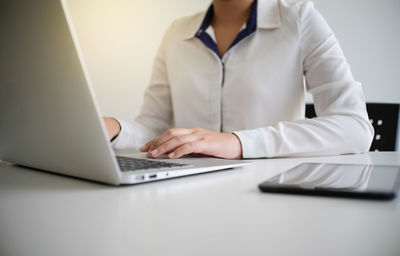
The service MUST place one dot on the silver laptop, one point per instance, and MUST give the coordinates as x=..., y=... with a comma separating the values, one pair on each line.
x=49, y=118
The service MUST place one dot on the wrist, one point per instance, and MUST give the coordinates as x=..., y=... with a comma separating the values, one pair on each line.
x=113, y=127
x=116, y=129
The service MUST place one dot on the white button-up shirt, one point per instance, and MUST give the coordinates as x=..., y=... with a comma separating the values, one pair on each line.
x=257, y=89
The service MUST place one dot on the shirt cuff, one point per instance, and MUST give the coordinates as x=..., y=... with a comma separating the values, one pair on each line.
x=253, y=143
x=124, y=136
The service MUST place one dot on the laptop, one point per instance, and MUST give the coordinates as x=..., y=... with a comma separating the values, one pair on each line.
x=50, y=119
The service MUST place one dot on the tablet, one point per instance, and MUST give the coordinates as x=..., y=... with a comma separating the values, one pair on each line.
x=340, y=180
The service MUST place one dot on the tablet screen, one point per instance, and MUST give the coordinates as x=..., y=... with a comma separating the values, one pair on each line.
x=337, y=179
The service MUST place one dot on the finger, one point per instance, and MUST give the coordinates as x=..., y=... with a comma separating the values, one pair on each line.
x=172, y=144
x=196, y=147
x=146, y=147
x=167, y=135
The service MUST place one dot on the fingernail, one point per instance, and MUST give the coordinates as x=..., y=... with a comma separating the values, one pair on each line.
x=154, y=152
x=171, y=155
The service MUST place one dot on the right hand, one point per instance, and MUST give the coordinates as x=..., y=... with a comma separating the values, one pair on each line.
x=113, y=127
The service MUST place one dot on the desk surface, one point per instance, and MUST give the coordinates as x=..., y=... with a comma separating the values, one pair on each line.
x=220, y=213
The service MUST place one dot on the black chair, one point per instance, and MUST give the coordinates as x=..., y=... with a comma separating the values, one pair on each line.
x=384, y=117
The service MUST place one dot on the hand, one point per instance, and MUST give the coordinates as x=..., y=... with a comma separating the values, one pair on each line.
x=112, y=126
x=178, y=142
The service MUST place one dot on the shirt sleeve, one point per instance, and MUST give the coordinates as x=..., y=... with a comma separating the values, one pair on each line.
x=342, y=125
x=156, y=112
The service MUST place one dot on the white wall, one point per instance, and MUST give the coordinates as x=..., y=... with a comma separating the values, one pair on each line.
x=119, y=39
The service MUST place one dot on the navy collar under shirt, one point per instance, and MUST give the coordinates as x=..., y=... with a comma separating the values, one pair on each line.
x=251, y=26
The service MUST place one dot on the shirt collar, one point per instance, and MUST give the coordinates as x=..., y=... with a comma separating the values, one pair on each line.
x=269, y=16
x=265, y=15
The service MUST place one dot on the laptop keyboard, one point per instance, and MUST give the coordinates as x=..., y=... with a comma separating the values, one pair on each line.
x=127, y=164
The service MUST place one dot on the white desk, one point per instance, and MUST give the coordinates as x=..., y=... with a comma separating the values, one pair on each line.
x=220, y=213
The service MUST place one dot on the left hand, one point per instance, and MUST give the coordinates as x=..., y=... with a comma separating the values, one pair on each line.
x=179, y=141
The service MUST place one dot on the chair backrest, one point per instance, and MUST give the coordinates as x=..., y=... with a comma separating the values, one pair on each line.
x=384, y=117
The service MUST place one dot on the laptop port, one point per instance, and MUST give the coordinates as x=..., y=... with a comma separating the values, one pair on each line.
x=139, y=177
x=152, y=176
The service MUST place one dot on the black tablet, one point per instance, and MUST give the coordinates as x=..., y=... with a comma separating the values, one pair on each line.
x=340, y=180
